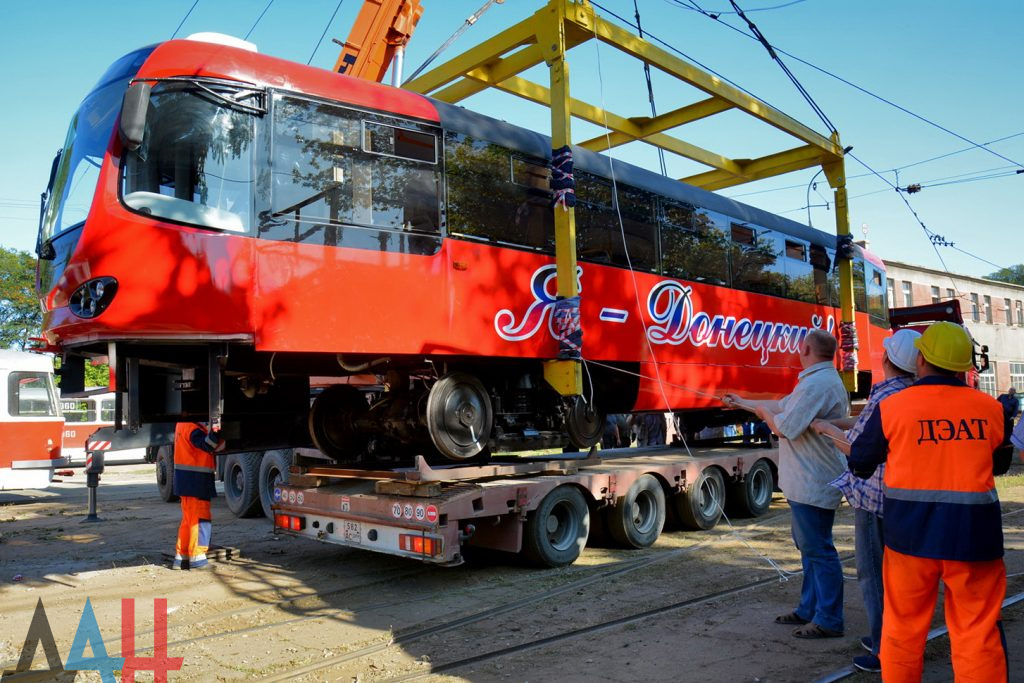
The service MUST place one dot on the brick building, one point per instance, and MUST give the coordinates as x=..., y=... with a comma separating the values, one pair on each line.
x=993, y=312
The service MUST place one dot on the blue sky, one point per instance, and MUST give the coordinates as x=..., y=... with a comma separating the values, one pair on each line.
x=956, y=64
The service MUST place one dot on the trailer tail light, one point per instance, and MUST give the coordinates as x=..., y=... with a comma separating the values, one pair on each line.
x=289, y=522
x=421, y=545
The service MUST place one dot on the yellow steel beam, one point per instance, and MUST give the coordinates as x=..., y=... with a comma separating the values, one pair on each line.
x=476, y=80
x=641, y=49
x=836, y=174
x=534, y=92
x=516, y=36
x=565, y=376
x=758, y=169
x=658, y=124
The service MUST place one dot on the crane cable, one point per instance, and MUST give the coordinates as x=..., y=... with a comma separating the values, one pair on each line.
x=470, y=20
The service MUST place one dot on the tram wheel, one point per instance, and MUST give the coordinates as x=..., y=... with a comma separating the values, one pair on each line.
x=330, y=422
x=557, y=530
x=636, y=519
x=583, y=423
x=459, y=416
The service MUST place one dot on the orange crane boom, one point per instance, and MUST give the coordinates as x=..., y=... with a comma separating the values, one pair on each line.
x=378, y=36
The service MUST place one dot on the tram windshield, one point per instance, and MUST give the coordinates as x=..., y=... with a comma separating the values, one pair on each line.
x=78, y=167
x=195, y=164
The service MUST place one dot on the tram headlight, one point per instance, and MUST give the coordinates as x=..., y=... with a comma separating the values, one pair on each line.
x=92, y=297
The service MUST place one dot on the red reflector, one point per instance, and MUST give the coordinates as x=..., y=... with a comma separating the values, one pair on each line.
x=281, y=521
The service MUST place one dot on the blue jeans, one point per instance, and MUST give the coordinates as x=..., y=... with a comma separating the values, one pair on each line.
x=868, y=540
x=821, y=596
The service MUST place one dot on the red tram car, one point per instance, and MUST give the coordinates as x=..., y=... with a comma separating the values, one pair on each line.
x=257, y=222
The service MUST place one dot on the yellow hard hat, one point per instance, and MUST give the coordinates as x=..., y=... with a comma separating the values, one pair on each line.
x=946, y=345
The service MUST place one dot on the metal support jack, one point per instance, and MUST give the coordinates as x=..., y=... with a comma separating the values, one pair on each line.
x=93, y=470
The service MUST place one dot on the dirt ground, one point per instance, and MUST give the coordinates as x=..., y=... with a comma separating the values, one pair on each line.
x=697, y=606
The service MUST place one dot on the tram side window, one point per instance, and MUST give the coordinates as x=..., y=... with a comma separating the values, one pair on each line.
x=877, y=307
x=821, y=262
x=691, y=247
x=77, y=411
x=496, y=196
x=599, y=235
x=800, y=272
x=753, y=260
x=860, y=298
x=195, y=164
x=31, y=394
x=333, y=168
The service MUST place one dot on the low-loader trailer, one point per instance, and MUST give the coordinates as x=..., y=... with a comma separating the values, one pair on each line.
x=543, y=507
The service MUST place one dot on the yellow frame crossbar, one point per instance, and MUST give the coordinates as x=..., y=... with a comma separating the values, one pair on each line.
x=561, y=25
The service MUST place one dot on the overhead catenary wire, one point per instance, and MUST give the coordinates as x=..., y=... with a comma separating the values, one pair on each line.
x=694, y=7
x=650, y=86
x=184, y=19
x=326, y=28
x=258, y=20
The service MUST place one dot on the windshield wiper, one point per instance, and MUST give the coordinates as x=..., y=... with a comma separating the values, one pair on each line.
x=237, y=91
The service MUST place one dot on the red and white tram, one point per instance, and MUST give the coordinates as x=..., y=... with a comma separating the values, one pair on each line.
x=269, y=221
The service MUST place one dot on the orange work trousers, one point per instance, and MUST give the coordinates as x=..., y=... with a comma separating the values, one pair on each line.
x=973, y=599
x=194, y=532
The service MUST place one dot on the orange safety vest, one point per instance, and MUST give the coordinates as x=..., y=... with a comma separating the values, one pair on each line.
x=193, y=462
x=940, y=495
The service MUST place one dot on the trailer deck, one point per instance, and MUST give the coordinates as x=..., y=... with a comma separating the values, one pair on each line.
x=543, y=507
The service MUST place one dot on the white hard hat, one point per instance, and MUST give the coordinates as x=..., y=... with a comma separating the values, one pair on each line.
x=901, y=350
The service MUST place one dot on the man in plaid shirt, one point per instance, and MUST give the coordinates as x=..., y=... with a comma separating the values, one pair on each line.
x=865, y=495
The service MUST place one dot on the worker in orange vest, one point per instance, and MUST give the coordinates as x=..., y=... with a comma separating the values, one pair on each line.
x=942, y=520
x=194, y=446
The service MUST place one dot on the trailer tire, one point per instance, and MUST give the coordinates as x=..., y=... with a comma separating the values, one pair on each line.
x=273, y=471
x=637, y=518
x=557, y=530
x=753, y=496
x=241, y=484
x=700, y=507
x=165, y=474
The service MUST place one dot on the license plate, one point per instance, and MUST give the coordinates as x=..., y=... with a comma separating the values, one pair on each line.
x=353, y=532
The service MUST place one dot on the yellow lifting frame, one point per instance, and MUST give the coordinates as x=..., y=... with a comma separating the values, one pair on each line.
x=561, y=25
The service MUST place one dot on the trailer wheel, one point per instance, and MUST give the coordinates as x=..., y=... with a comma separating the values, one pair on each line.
x=700, y=507
x=753, y=496
x=638, y=517
x=331, y=422
x=241, y=484
x=583, y=423
x=273, y=471
x=459, y=416
x=557, y=530
x=165, y=474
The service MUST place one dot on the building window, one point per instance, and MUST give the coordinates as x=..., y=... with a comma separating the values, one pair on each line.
x=1009, y=311
x=950, y=294
x=987, y=382
x=935, y=295
x=1016, y=374
x=890, y=288
x=975, y=311
x=988, y=309
x=908, y=296
x=1020, y=313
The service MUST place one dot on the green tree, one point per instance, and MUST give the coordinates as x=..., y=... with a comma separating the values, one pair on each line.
x=20, y=315
x=1014, y=274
